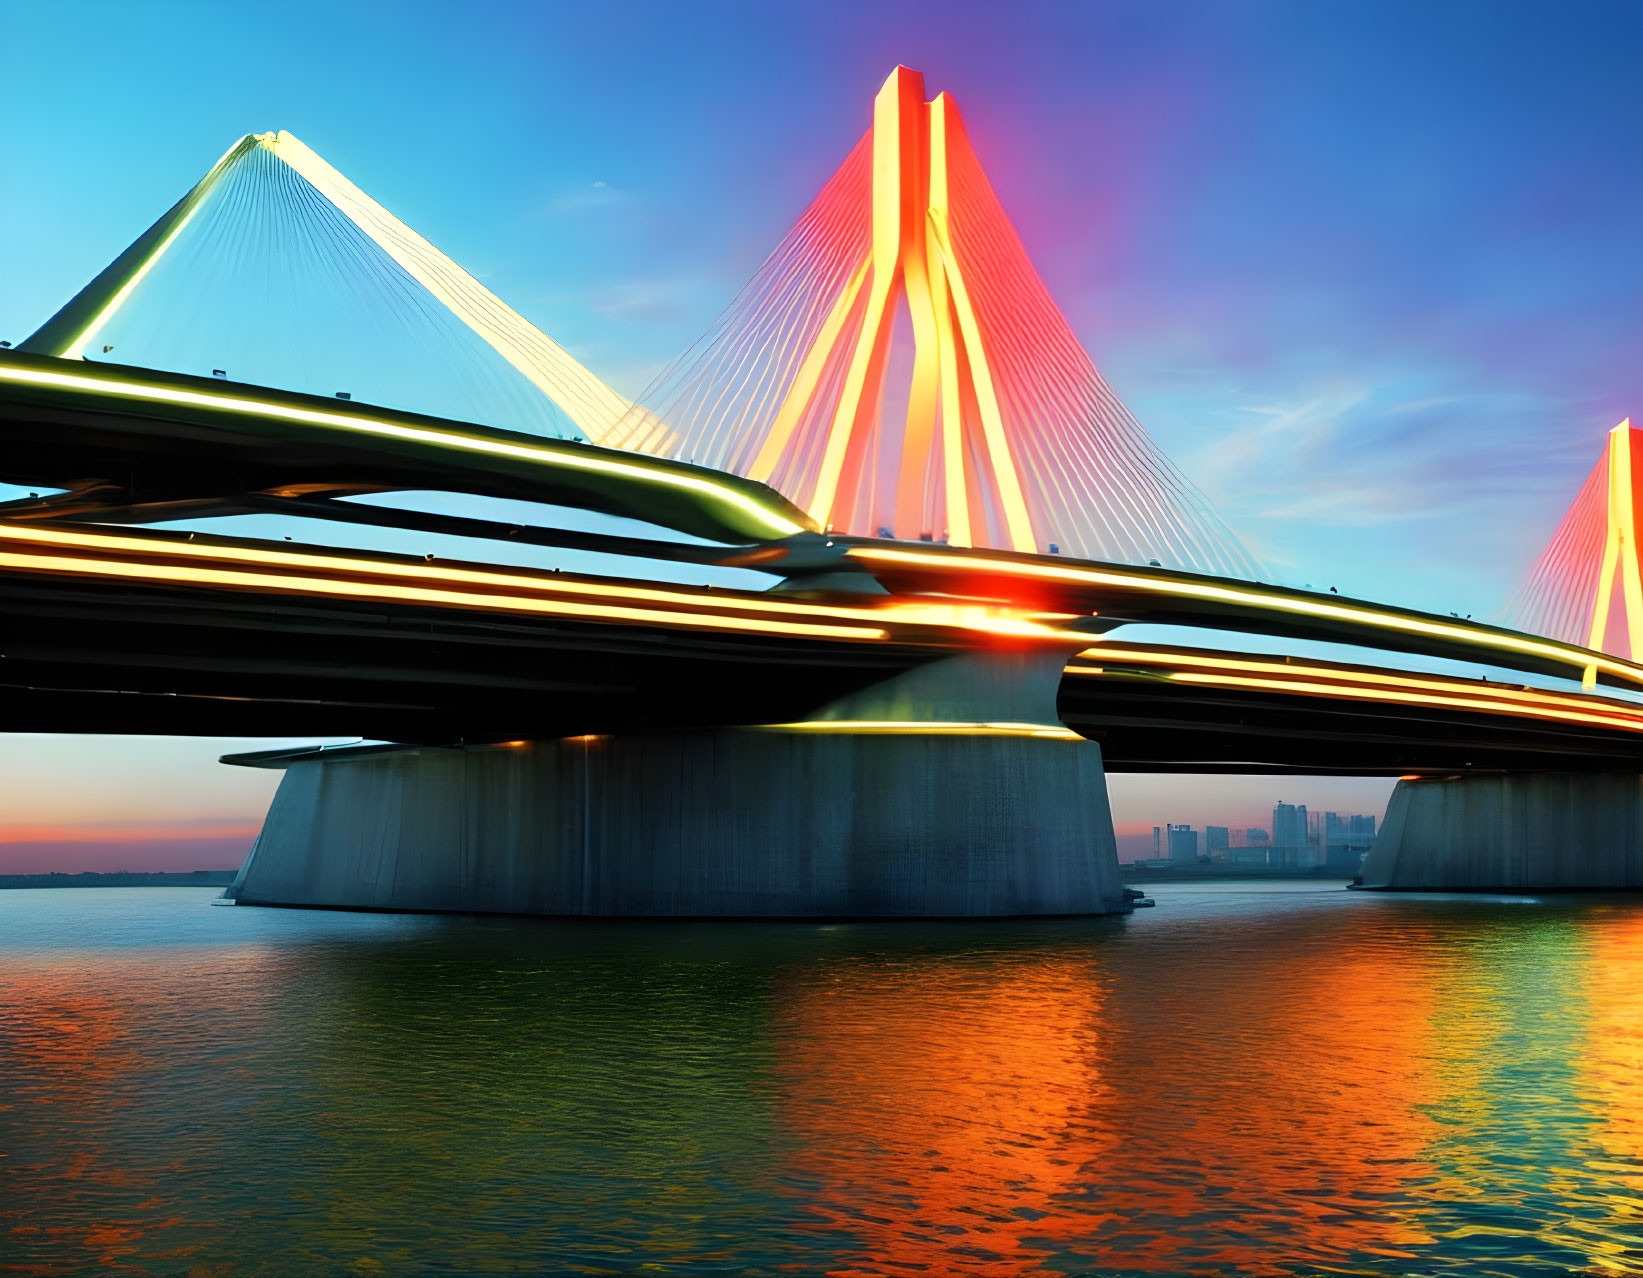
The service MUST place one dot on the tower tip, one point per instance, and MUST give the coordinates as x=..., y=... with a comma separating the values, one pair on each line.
x=900, y=73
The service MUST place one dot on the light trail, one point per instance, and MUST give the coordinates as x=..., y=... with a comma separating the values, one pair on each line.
x=241, y=566
x=1254, y=597
x=893, y=727
x=1391, y=687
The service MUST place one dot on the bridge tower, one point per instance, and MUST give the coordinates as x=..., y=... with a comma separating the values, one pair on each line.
x=1482, y=831
x=897, y=367
x=592, y=407
x=1585, y=587
x=947, y=789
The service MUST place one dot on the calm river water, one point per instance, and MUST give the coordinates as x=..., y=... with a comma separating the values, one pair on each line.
x=1280, y=1078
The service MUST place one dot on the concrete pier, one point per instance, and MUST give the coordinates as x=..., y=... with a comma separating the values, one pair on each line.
x=1515, y=832
x=950, y=790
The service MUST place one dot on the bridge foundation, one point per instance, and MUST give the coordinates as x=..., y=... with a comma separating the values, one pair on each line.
x=1513, y=832
x=949, y=790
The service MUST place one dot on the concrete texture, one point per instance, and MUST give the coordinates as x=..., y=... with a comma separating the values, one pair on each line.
x=1511, y=832
x=731, y=822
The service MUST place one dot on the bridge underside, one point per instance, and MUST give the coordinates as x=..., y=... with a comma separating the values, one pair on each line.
x=886, y=802
x=694, y=692
x=93, y=658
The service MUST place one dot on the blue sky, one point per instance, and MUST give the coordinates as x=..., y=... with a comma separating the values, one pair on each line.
x=1369, y=272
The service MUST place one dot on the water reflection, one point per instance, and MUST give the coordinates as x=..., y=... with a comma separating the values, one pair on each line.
x=941, y=1103
x=1271, y=1083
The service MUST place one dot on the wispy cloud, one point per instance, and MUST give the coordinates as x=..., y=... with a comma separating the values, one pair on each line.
x=659, y=300
x=595, y=195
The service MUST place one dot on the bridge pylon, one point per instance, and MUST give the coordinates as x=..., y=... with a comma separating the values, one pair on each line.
x=951, y=789
x=593, y=407
x=1586, y=587
x=897, y=366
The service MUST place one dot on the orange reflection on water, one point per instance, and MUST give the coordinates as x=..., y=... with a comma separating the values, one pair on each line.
x=76, y=1037
x=997, y=1118
x=73, y=1039
x=1276, y=1100
x=942, y=1106
x=1610, y=1064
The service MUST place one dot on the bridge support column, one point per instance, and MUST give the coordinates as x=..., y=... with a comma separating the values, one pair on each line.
x=1514, y=832
x=949, y=790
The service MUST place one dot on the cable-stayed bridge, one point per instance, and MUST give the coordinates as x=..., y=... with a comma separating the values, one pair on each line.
x=907, y=703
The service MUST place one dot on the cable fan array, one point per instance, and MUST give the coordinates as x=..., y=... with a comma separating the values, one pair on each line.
x=896, y=367
x=996, y=429
x=276, y=269
x=1569, y=593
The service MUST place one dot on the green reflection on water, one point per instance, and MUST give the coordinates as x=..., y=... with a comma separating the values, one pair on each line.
x=1260, y=1082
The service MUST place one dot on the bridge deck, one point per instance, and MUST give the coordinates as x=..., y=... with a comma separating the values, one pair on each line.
x=118, y=437
x=107, y=630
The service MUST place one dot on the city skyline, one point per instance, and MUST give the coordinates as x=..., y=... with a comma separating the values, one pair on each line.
x=1316, y=829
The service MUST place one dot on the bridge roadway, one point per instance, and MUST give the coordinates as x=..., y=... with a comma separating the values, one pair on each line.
x=110, y=630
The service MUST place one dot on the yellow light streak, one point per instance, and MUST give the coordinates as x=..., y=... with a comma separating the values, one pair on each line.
x=1247, y=597
x=894, y=727
x=569, y=457
x=979, y=618
x=1388, y=695
x=1339, y=675
x=578, y=608
x=257, y=556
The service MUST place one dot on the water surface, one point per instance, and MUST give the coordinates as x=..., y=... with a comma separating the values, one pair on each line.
x=1266, y=1079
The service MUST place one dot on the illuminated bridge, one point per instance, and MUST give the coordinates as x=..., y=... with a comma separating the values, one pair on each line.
x=860, y=724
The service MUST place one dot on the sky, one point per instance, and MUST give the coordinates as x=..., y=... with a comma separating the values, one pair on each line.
x=1368, y=272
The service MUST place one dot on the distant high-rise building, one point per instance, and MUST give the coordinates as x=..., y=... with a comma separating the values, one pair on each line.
x=1348, y=838
x=1289, y=836
x=1183, y=844
x=1217, y=839
x=1157, y=843
x=1289, y=825
x=1250, y=847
